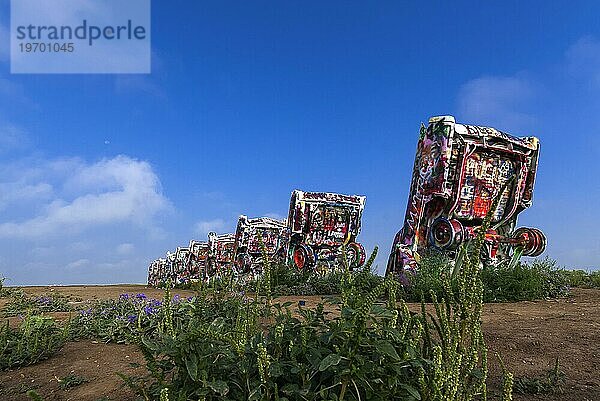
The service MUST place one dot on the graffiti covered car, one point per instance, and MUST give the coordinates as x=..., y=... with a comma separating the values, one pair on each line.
x=322, y=225
x=459, y=170
x=171, y=266
x=251, y=234
x=221, y=253
x=155, y=272
x=180, y=264
x=198, y=260
x=166, y=268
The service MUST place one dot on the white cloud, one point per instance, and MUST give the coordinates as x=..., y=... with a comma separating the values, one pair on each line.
x=202, y=228
x=117, y=190
x=78, y=264
x=583, y=60
x=125, y=248
x=497, y=101
x=79, y=246
x=67, y=220
x=42, y=252
x=11, y=192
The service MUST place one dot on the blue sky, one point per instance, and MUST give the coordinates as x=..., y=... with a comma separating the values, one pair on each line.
x=99, y=174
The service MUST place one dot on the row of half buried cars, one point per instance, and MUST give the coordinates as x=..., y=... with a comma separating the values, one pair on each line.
x=320, y=227
x=460, y=172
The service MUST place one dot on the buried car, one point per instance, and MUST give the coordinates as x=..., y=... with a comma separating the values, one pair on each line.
x=221, y=253
x=323, y=226
x=459, y=170
x=250, y=237
x=182, y=273
x=155, y=271
x=198, y=260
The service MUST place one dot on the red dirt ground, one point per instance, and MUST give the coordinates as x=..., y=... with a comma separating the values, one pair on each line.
x=528, y=336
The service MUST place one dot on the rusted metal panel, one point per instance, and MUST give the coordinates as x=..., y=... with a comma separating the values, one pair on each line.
x=321, y=224
x=459, y=169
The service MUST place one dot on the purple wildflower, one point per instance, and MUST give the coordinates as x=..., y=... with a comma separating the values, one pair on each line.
x=86, y=312
x=149, y=310
x=141, y=296
x=124, y=297
x=131, y=318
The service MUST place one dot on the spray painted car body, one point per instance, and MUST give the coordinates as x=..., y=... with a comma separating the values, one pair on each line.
x=168, y=271
x=155, y=272
x=250, y=233
x=198, y=260
x=169, y=268
x=221, y=253
x=459, y=170
x=181, y=270
x=322, y=225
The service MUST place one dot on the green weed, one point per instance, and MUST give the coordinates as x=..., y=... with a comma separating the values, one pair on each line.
x=35, y=305
x=36, y=339
x=552, y=382
x=71, y=381
x=539, y=279
x=582, y=278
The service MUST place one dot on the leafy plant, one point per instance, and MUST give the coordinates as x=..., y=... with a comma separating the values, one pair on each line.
x=552, y=382
x=34, y=395
x=582, y=278
x=433, y=275
x=507, y=382
x=70, y=381
x=524, y=281
x=364, y=345
x=250, y=349
x=6, y=292
x=35, y=305
x=453, y=341
x=121, y=319
x=36, y=339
